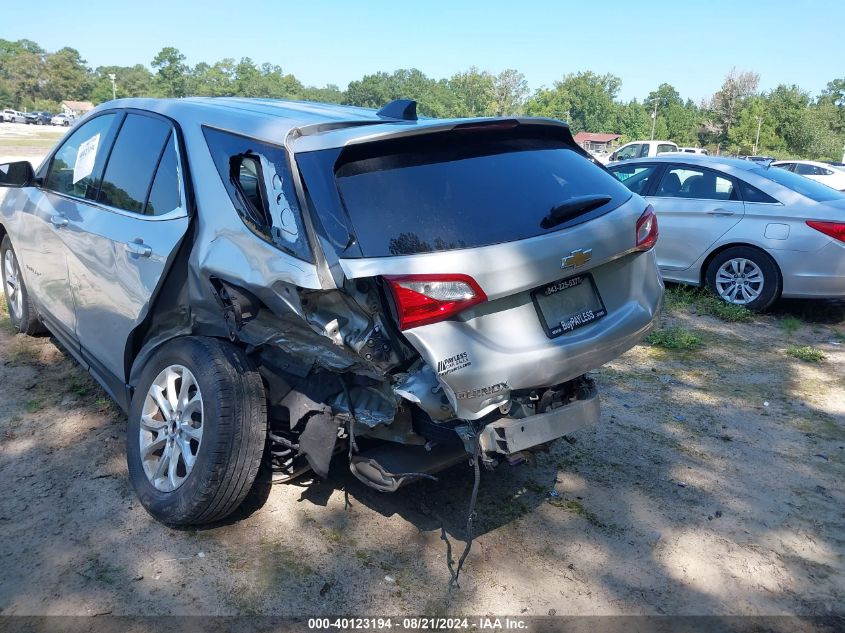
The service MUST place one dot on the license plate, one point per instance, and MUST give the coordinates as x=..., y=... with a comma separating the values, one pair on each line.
x=566, y=305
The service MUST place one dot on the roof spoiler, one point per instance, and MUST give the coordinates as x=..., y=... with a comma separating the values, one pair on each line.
x=402, y=109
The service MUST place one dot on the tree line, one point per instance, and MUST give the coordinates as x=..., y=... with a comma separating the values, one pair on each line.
x=738, y=119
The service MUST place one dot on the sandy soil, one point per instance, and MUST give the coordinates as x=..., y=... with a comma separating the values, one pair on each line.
x=712, y=486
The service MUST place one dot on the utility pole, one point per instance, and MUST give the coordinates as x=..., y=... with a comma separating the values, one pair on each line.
x=653, y=119
x=112, y=76
x=757, y=140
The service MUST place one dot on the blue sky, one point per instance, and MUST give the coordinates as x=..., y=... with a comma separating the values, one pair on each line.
x=691, y=44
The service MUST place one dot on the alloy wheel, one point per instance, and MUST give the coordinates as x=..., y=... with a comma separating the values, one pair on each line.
x=739, y=281
x=171, y=428
x=13, y=284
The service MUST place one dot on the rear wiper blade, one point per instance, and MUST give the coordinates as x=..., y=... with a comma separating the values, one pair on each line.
x=571, y=209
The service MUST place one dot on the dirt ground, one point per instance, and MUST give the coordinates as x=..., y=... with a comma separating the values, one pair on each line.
x=713, y=485
x=27, y=142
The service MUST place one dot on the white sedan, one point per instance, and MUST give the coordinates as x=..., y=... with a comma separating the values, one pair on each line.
x=62, y=119
x=820, y=172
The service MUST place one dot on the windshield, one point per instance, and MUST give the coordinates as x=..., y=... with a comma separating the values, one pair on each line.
x=806, y=187
x=456, y=191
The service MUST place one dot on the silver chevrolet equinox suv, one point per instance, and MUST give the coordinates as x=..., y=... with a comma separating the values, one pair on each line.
x=277, y=284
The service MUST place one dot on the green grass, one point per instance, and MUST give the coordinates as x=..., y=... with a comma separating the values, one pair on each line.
x=34, y=405
x=677, y=297
x=806, y=353
x=681, y=297
x=675, y=337
x=578, y=508
x=79, y=385
x=790, y=325
x=714, y=306
x=29, y=142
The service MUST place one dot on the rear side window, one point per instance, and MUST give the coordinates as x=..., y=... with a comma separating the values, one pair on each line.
x=635, y=177
x=259, y=183
x=165, y=193
x=753, y=194
x=133, y=162
x=689, y=182
x=663, y=148
x=457, y=190
x=75, y=168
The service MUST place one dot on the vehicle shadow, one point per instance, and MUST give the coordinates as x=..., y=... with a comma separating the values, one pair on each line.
x=504, y=495
x=822, y=311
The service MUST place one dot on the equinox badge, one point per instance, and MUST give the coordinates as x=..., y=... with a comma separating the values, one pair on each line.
x=577, y=258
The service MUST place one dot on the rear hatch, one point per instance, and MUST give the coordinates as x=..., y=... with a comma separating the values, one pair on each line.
x=510, y=260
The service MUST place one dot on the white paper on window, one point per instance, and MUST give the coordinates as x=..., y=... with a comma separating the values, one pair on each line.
x=85, y=158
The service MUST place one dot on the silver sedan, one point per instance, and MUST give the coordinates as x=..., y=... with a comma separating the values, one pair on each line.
x=749, y=232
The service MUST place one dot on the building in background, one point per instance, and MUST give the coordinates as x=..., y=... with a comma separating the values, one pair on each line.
x=76, y=108
x=596, y=142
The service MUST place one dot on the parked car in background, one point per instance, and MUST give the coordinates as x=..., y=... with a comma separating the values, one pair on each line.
x=13, y=116
x=838, y=165
x=693, y=150
x=758, y=159
x=641, y=149
x=62, y=119
x=38, y=118
x=820, y=172
x=223, y=311
x=749, y=232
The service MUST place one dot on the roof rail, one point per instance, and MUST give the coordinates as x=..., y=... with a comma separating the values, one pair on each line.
x=403, y=109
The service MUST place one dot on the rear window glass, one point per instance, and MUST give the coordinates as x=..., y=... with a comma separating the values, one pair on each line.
x=806, y=187
x=449, y=191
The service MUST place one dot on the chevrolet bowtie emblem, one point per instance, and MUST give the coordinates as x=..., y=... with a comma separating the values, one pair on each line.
x=576, y=258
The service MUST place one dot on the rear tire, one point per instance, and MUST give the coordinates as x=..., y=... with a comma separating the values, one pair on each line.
x=22, y=313
x=222, y=437
x=746, y=276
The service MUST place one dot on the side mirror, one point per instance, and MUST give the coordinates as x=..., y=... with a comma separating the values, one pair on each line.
x=613, y=156
x=19, y=174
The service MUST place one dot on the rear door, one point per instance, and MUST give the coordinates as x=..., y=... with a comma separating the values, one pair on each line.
x=128, y=235
x=695, y=207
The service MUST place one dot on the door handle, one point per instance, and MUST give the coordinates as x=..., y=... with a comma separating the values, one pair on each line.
x=58, y=220
x=139, y=248
x=720, y=212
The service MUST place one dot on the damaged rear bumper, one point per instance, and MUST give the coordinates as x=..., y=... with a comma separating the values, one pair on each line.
x=511, y=435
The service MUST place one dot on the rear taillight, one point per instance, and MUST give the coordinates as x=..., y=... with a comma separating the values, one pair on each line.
x=424, y=299
x=647, y=230
x=836, y=230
